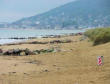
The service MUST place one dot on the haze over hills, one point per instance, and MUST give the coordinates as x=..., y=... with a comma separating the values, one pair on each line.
x=77, y=14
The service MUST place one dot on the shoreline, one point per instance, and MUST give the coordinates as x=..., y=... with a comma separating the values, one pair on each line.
x=37, y=46
x=15, y=40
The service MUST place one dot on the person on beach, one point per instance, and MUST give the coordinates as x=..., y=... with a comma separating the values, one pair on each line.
x=100, y=60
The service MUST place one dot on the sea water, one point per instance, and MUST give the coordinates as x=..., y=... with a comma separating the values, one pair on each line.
x=5, y=34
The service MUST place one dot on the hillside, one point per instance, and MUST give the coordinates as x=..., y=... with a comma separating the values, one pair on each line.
x=78, y=14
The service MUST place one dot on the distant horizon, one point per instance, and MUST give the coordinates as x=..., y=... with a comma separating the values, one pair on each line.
x=14, y=10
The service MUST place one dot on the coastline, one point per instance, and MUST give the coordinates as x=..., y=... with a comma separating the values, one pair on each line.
x=15, y=40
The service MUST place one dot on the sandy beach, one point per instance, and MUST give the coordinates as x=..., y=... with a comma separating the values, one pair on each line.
x=75, y=63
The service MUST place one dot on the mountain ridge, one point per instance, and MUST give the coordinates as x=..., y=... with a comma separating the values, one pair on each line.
x=77, y=14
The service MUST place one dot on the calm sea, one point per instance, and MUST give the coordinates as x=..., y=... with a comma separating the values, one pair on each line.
x=25, y=33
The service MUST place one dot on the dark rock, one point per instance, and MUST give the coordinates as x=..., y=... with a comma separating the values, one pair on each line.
x=36, y=42
x=13, y=72
x=46, y=70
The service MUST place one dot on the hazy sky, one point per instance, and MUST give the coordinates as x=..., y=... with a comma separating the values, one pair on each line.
x=11, y=10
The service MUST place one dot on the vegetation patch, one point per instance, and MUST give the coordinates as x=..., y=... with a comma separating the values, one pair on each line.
x=98, y=35
x=24, y=52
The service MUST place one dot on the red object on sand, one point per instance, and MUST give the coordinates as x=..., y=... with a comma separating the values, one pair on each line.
x=100, y=58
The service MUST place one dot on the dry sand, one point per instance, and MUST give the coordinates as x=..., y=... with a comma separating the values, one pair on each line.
x=75, y=64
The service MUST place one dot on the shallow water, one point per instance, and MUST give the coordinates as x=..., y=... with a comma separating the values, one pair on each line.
x=25, y=33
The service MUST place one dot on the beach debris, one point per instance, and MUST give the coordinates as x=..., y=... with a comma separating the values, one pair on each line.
x=18, y=52
x=37, y=52
x=54, y=65
x=22, y=53
x=82, y=38
x=34, y=62
x=55, y=41
x=8, y=52
x=57, y=49
x=12, y=73
x=80, y=33
x=44, y=51
x=52, y=36
x=15, y=64
x=25, y=52
x=46, y=70
x=36, y=42
x=28, y=52
x=32, y=37
x=60, y=41
x=25, y=73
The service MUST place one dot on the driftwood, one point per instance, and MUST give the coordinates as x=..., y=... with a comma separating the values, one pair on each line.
x=52, y=36
x=60, y=41
x=36, y=42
